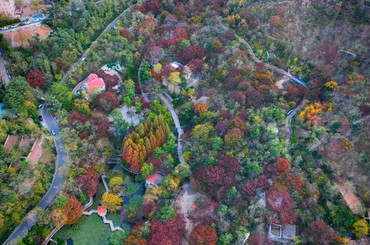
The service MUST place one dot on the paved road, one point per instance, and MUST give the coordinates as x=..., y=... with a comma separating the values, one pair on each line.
x=58, y=179
x=3, y=74
x=21, y=27
x=84, y=55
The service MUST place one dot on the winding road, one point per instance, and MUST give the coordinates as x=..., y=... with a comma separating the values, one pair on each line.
x=56, y=184
x=292, y=113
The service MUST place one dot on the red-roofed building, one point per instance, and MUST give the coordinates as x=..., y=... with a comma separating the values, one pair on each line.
x=154, y=180
x=102, y=211
x=92, y=77
x=96, y=85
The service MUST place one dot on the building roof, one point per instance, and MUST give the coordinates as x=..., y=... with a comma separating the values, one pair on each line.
x=102, y=210
x=11, y=142
x=92, y=77
x=350, y=198
x=155, y=179
x=94, y=84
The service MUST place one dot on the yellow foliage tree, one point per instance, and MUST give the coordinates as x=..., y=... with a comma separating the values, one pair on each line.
x=174, y=77
x=58, y=217
x=111, y=202
x=116, y=183
x=361, y=228
x=157, y=68
x=331, y=85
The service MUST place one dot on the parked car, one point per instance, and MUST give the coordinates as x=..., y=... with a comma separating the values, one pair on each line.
x=22, y=24
x=53, y=132
x=10, y=77
x=7, y=71
x=78, y=91
x=39, y=106
x=40, y=118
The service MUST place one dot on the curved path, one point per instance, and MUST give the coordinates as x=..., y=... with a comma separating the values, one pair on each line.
x=56, y=184
x=178, y=127
x=72, y=69
x=292, y=113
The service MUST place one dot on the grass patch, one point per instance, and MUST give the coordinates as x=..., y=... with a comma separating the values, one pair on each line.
x=115, y=218
x=88, y=230
x=132, y=188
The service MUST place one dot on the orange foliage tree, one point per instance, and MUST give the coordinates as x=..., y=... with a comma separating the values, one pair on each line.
x=200, y=108
x=73, y=210
x=149, y=135
x=282, y=164
x=275, y=21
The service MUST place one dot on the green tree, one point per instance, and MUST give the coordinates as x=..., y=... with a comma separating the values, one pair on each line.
x=146, y=170
x=165, y=213
x=183, y=170
x=120, y=124
x=19, y=96
x=118, y=237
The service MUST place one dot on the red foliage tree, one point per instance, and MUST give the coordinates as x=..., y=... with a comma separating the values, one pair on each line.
x=73, y=210
x=89, y=183
x=36, y=79
x=290, y=181
x=259, y=239
x=196, y=65
x=282, y=164
x=181, y=34
x=203, y=235
x=269, y=171
x=153, y=7
x=282, y=204
x=191, y=52
x=77, y=117
x=205, y=212
x=254, y=98
x=107, y=101
x=101, y=126
x=238, y=97
x=263, y=182
x=125, y=33
x=109, y=80
x=249, y=189
x=170, y=232
x=230, y=164
x=319, y=233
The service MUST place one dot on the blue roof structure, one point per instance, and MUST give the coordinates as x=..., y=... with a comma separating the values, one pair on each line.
x=3, y=110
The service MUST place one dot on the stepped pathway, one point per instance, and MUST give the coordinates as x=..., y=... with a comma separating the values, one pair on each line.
x=53, y=232
x=94, y=211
